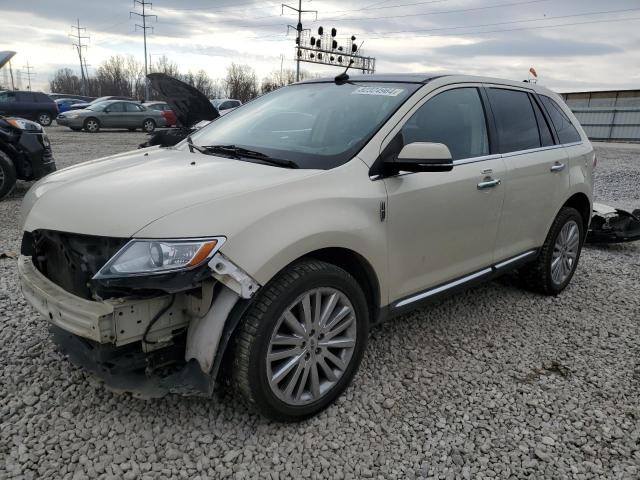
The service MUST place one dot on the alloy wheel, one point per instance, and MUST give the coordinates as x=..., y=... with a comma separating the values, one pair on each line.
x=565, y=252
x=148, y=126
x=311, y=346
x=44, y=119
x=92, y=125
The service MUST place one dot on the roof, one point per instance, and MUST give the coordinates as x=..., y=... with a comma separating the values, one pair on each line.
x=399, y=77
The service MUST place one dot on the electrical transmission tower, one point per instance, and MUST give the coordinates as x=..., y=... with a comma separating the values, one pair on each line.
x=78, y=37
x=144, y=15
x=28, y=73
x=298, y=28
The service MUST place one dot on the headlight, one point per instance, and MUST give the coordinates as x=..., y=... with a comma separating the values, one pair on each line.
x=152, y=257
x=23, y=124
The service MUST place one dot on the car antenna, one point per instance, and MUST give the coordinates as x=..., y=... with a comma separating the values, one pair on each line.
x=343, y=77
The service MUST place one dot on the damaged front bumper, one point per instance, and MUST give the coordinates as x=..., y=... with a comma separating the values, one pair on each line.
x=613, y=225
x=119, y=341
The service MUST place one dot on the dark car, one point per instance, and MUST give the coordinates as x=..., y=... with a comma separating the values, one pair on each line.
x=79, y=106
x=35, y=106
x=84, y=98
x=25, y=152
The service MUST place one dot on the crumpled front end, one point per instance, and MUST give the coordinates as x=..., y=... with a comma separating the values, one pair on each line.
x=148, y=335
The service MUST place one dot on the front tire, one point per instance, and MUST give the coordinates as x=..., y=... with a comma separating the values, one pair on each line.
x=148, y=125
x=7, y=175
x=301, y=341
x=45, y=119
x=558, y=259
x=92, y=125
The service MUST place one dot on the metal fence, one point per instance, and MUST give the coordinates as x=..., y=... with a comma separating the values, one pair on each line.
x=611, y=115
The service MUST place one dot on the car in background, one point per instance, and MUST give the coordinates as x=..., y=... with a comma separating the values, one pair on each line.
x=225, y=105
x=35, y=106
x=164, y=108
x=25, y=152
x=64, y=104
x=80, y=106
x=84, y=98
x=112, y=114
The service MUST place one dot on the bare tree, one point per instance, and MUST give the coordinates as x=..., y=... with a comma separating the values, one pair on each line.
x=166, y=66
x=241, y=82
x=112, y=77
x=280, y=78
x=65, y=81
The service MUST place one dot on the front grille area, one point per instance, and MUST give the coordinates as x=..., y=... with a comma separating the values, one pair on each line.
x=70, y=260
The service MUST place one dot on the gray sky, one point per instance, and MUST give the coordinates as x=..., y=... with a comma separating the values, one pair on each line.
x=573, y=44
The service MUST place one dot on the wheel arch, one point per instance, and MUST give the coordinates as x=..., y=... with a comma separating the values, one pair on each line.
x=580, y=201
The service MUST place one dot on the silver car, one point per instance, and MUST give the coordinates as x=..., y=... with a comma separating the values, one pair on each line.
x=112, y=114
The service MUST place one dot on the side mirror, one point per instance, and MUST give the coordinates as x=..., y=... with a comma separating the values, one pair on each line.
x=423, y=157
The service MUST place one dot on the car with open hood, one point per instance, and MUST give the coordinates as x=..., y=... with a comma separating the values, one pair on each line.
x=263, y=247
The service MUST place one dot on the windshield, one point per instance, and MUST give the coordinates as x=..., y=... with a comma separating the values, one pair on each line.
x=97, y=107
x=315, y=125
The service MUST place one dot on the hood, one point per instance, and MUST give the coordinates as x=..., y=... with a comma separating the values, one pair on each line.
x=188, y=103
x=5, y=57
x=117, y=196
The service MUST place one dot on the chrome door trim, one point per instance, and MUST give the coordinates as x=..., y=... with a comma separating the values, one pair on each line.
x=442, y=288
x=460, y=281
x=464, y=161
x=514, y=259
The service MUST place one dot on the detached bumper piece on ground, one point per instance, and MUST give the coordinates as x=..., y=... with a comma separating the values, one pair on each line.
x=612, y=225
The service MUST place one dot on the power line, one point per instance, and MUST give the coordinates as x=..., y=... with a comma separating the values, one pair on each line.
x=28, y=74
x=78, y=38
x=386, y=34
x=144, y=28
x=298, y=29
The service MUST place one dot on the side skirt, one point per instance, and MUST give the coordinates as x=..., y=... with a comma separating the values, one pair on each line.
x=420, y=299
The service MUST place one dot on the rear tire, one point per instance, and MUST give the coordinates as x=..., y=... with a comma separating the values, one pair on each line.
x=558, y=259
x=45, y=119
x=7, y=175
x=322, y=352
x=92, y=125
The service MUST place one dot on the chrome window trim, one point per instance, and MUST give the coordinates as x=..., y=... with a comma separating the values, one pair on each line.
x=463, y=161
x=442, y=288
x=504, y=263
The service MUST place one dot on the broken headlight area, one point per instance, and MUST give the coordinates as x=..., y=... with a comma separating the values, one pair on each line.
x=613, y=225
x=149, y=331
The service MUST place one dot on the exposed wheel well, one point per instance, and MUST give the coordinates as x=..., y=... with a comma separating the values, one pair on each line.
x=359, y=268
x=580, y=202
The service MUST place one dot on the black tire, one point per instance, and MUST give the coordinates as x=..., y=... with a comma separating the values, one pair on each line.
x=7, y=175
x=537, y=276
x=149, y=125
x=45, y=119
x=252, y=340
x=91, y=125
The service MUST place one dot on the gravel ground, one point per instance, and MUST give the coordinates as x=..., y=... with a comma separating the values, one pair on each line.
x=496, y=382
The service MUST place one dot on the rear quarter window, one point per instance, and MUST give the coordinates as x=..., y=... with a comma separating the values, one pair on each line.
x=567, y=133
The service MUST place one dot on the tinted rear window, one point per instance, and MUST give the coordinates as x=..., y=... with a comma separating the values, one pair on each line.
x=515, y=120
x=567, y=133
x=545, y=131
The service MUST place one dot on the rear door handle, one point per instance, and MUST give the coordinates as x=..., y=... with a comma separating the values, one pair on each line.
x=557, y=167
x=489, y=184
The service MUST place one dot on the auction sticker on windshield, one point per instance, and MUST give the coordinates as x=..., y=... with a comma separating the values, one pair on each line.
x=383, y=91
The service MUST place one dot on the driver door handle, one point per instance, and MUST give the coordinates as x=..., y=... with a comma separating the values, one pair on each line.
x=489, y=183
x=557, y=167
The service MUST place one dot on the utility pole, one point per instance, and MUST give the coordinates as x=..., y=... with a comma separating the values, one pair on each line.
x=28, y=68
x=144, y=28
x=78, y=37
x=299, y=30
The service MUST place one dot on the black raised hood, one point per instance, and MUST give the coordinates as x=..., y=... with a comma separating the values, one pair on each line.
x=188, y=103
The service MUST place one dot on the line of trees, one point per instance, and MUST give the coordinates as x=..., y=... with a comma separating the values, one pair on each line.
x=124, y=75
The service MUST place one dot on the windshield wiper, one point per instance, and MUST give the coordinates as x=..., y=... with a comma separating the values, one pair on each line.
x=239, y=152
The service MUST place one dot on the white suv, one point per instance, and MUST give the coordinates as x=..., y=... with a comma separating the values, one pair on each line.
x=267, y=244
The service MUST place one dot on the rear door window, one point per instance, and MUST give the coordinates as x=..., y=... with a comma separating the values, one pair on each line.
x=455, y=118
x=567, y=133
x=515, y=120
x=26, y=97
x=131, y=107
